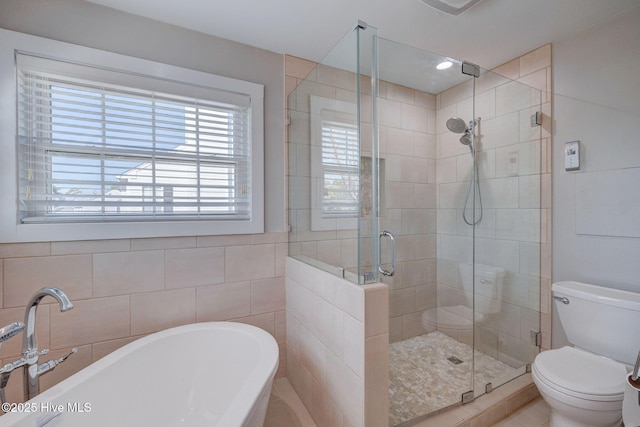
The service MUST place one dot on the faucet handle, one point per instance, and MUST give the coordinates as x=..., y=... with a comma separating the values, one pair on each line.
x=45, y=367
x=11, y=366
x=31, y=356
x=65, y=357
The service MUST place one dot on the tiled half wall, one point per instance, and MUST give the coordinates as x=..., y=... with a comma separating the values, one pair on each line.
x=337, y=347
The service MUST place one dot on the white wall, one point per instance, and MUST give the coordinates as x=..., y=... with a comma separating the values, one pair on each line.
x=596, y=227
x=87, y=24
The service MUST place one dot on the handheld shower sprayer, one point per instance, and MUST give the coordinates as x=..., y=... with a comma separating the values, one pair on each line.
x=7, y=332
x=467, y=139
x=458, y=125
x=10, y=331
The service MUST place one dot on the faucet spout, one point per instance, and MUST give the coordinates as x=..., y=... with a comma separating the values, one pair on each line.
x=29, y=342
x=30, y=352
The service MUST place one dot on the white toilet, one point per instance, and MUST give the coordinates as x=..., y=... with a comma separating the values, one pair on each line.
x=458, y=320
x=584, y=383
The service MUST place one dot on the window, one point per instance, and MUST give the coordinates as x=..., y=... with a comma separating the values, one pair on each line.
x=340, y=168
x=150, y=148
x=335, y=166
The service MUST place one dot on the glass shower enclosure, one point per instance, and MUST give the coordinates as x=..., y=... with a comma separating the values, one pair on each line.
x=424, y=175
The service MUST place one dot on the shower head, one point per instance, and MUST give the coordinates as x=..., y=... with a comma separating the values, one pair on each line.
x=466, y=138
x=456, y=125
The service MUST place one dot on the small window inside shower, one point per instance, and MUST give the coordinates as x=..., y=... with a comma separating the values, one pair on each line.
x=334, y=164
x=339, y=169
x=340, y=176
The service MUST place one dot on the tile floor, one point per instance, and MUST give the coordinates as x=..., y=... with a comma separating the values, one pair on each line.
x=534, y=414
x=285, y=407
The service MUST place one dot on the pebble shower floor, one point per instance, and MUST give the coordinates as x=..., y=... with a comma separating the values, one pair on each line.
x=423, y=380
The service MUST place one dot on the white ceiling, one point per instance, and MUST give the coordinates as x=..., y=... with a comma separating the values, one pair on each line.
x=489, y=34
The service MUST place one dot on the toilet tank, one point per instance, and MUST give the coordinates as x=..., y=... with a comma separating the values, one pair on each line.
x=488, y=287
x=601, y=320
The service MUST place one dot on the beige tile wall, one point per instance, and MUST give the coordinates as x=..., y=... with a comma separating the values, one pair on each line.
x=337, y=347
x=124, y=289
x=407, y=139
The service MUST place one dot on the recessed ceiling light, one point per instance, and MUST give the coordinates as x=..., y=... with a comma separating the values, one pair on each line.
x=444, y=65
x=453, y=7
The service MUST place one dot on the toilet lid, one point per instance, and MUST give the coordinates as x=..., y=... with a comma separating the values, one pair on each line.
x=581, y=372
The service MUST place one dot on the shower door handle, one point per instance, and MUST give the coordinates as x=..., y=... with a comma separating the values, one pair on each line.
x=393, y=254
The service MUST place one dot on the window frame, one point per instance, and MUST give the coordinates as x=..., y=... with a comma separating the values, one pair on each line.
x=164, y=75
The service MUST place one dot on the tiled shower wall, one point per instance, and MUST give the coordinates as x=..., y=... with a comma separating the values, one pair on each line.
x=125, y=289
x=407, y=126
x=515, y=231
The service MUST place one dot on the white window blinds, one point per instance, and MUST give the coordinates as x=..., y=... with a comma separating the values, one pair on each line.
x=340, y=162
x=90, y=150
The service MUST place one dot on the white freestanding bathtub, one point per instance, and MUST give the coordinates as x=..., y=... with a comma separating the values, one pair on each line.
x=203, y=374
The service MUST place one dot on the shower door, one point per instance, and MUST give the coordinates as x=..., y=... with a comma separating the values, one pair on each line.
x=421, y=178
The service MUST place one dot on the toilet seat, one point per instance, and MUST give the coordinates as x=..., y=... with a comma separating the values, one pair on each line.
x=581, y=374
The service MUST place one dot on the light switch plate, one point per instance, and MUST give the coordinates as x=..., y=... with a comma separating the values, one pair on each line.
x=572, y=155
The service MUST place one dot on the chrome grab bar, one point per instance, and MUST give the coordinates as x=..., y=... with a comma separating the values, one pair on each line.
x=563, y=300
x=388, y=234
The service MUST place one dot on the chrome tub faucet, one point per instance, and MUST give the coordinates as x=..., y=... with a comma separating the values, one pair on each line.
x=30, y=353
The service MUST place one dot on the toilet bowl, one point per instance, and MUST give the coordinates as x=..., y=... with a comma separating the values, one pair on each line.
x=582, y=389
x=458, y=320
x=584, y=384
x=451, y=320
